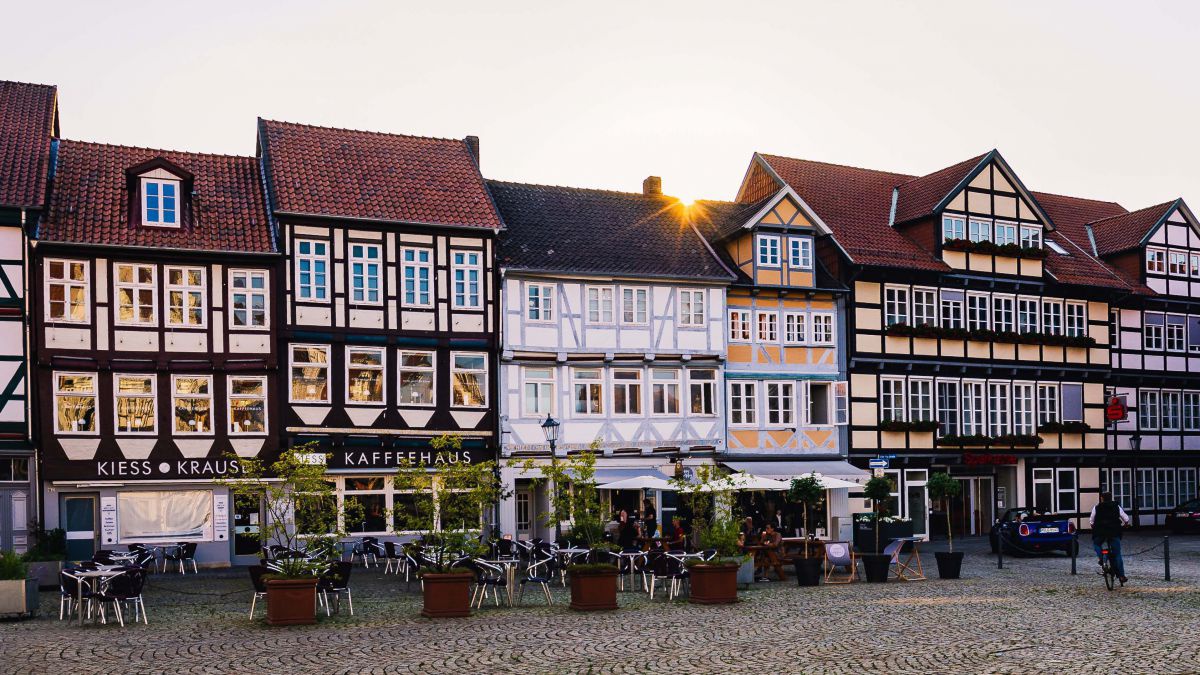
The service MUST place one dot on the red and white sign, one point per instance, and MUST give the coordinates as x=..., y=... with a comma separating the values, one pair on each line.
x=1116, y=410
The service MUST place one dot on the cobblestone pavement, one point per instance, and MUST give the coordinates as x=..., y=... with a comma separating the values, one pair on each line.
x=1030, y=617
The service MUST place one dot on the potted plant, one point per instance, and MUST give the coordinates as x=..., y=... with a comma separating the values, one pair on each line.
x=717, y=527
x=18, y=589
x=593, y=578
x=944, y=488
x=45, y=558
x=807, y=490
x=875, y=564
x=300, y=508
x=450, y=500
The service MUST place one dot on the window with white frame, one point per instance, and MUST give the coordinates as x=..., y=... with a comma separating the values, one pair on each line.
x=1187, y=484
x=1175, y=339
x=1043, y=490
x=364, y=273
x=364, y=374
x=310, y=373
x=953, y=227
x=821, y=404
x=1195, y=264
x=920, y=400
x=800, y=252
x=1077, y=319
x=1170, y=402
x=978, y=312
x=539, y=391
x=67, y=291
x=1148, y=409
x=247, y=405
x=1052, y=317
x=600, y=304
x=1191, y=411
x=841, y=403
x=1047, y=403
x=135, y=408
x=186, y=292
x=664, y=391
x=312, y=270
x=1006, y=233
x=588, y=388
x=539, y=302
x=781, y=398
x=891, y=400
x=924, y=307
x=1177, y=264
x=739, y=325
x=981, y=230
x=160, y=202
x=1027, y=315
x=418, y=378
x=248, y=298
x=1165, y=483
x=691, y=307
x=743, y=407
x=627, y=392
x=1145, y=489
x=795, y=328
x=974, y=420
x=1002, y=314
x=768, y=326
x=1152, y=332
x=466, y=269
x=952, y=309
x=1121, y=486
x=635, y=305
x=1065, y=491
x=1031, y=237
x=191, y=397
x=416, y=277
x=948, y=408
x=135, y=288
x=768, y=250
x=895, y=305
x=998, y=408
x=702, y=391
x=1156, y=261
x=822, y=328
x=1023, y=408
x=468, y=380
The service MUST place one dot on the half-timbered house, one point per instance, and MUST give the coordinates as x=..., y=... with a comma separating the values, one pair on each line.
x=613, y=320
x=155, y=329
x=388, y=303
x=28, y=125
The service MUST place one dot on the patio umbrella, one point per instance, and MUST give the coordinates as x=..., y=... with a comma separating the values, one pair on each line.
x=638, y=483
x=742, y=481
x=829, y=482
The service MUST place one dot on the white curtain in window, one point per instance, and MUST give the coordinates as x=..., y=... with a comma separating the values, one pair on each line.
x=158, y=515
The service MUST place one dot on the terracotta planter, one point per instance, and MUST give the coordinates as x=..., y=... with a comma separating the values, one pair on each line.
x=291, y=602
x=19, y=598
x=714, y=584
x=447, y=595
x=594, y=590
x=808, y=571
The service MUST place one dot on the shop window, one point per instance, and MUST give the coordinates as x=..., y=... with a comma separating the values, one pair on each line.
x=417, y=376
x=247, y=405
x=468, y=374
x=192, y=399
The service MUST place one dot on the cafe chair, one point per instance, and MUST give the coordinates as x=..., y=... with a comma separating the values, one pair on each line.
x=336, y=581
x=541, y=573
x=122, y=589
x=670, y=570
x=260, y=585
x=367, y=550
x=183, y=554
x=840, y=554
x=68, y=589
x=394, y=558
x=487, y=576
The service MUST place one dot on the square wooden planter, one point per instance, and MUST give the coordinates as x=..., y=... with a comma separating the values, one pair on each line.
x=594, y=590
x=19, y=598
x=291, y=602
x=714, y=584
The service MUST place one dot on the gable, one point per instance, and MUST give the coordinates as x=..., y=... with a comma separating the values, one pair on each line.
x=785, y=213
x=1178, y=228
x=994, y=192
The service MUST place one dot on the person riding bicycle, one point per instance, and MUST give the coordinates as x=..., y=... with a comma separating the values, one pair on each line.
x=1106, y=521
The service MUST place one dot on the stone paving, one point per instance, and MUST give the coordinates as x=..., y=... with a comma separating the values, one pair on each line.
x=1030, y=617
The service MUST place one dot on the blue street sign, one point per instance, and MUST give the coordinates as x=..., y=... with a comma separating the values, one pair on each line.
x=878, y=463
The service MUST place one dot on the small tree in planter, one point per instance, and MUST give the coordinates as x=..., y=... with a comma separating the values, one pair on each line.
x=715, y=581
x=301, y=514
x=878, y=490
x=943, y=487
x=807, y=490
x=449, y=502
x=18, y=590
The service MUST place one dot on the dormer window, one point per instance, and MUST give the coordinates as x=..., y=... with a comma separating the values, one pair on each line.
x=160, y=202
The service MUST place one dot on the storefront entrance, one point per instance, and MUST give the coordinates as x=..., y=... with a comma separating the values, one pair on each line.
x=14, y=520
x=972, y=512
x=80, y=524
x=247, y=523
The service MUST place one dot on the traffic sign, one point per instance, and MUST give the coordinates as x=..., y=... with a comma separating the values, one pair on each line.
x=878, y=463
x=1116, y=410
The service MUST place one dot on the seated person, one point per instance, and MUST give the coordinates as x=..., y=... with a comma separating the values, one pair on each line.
x=627, y=533
x=768, y=558
x=748, y=535
x=676, y=537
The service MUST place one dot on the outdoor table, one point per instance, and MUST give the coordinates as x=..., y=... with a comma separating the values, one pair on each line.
x=101, y=575
x=632, y=556
x=767, y=557
x=910, y=568
x=509, y=565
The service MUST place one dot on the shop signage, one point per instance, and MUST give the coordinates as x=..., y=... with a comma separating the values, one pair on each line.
x=221, y=516
x=1116, y=410
x=108, y=520
x=973, y=459
x=353, y=458
x=180, y=468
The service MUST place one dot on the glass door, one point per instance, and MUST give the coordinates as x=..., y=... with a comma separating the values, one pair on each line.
x=917, y=500
x=79, y=513
x=247, y=524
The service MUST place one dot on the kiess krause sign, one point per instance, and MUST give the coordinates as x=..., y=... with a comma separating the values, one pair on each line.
x=150, y=469
x=379, y=458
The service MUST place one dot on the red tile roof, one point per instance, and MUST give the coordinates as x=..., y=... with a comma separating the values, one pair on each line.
x=28, y=120
x=90, y=201
x=320, y=171
x=918, y=197
x=856, y=204
x=1126, y=230
x=1082, y=267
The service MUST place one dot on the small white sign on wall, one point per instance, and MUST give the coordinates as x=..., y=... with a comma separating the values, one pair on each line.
x=108, y=520
x=221, y=517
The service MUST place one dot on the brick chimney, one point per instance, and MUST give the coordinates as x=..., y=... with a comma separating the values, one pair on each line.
x=652, y=186
x=473, y=146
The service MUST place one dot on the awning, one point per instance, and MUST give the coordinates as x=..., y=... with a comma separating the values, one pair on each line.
x=639, y=483
x=789, y=470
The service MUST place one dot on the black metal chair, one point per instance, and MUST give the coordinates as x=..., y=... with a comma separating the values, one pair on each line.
x=541, y=573
x=260, y=585
x=68, y=589
x=367, y=549
x=671, y=570
x=124, y=588
x=103, y=557
x=336, y=581
x=393, y=556
x=487, y=576
x=183, y=554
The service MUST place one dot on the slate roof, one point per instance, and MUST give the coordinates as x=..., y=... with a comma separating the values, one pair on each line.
x=320, y=171
x=91, y=202
x=28, y=120
x=918, y=197
x=1124, y=231
x=565, y=229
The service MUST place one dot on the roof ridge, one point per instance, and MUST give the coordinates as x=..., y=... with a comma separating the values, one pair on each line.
x=361, y=131
x=143, y=148
x=1035, y=193
x=623, y=193
x=976, y=159
x=29, y=84
x=1133, y=212
x=842, y=166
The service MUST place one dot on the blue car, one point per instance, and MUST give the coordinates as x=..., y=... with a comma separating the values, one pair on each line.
x=1026, y=530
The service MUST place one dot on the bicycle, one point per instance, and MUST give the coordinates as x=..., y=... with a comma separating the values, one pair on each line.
x=1107, y=569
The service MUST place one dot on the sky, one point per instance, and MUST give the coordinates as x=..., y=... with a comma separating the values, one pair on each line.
x=1093, y=99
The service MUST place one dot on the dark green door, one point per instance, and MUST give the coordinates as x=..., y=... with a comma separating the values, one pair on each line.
x=80, y=517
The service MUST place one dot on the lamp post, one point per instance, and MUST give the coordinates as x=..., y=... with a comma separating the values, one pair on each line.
x=1135, y=444
x=551, y=428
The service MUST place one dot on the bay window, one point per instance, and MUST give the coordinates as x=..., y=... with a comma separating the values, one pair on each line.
x=247, y=405
x=468, y=375
x=364, y=374
x=417, y=372
x=310, y=373
x=135, y=403
x=191, y=397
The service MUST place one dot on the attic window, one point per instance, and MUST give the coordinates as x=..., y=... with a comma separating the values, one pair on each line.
x=160, y=202
x=1053, y=246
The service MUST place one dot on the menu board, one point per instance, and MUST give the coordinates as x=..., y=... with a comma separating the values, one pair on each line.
x=108, y=520
x=221, y=517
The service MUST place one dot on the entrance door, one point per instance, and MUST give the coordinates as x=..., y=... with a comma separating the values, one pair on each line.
x=984, y=505
x=79, y=513
x=247, y=521
x=525, y=513
x=917, y=500
x=6, y=521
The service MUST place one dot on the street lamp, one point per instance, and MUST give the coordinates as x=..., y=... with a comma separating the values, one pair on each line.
x=1135, y=444
x=551, y=428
